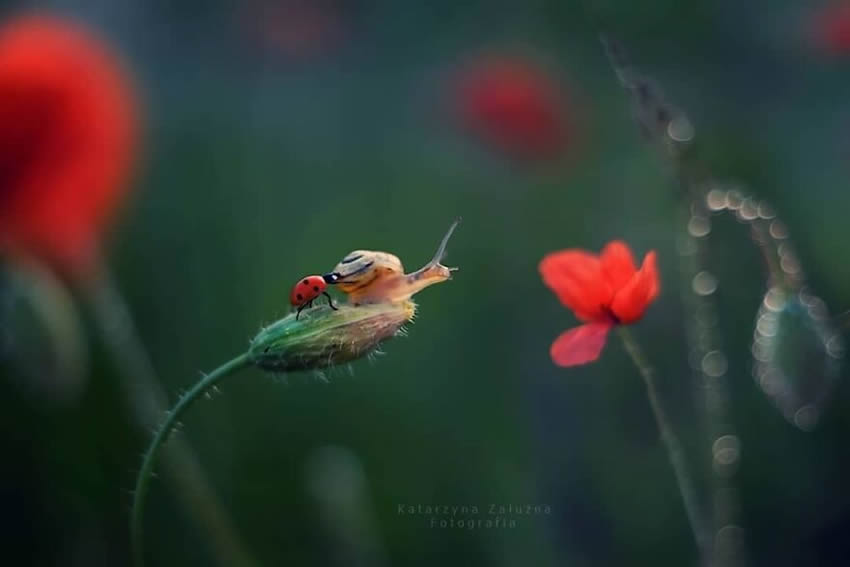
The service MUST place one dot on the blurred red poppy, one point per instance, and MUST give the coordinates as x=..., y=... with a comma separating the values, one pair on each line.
x=514, y=106
x=67, y=133
x=602, y=291
x=831, y=27
x=296, y=29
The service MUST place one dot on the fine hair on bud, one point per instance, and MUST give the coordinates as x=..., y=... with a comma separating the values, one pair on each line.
x=324, y=337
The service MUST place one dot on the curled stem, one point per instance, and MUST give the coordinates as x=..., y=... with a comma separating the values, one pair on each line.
x=322, y=338
x=162, y=433
x=675, y=453
x=147, y=401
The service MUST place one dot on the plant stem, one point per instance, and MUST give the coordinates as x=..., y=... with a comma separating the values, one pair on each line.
x=162, y=433
x=147, y=402
x=711, y=391
x=675, y=453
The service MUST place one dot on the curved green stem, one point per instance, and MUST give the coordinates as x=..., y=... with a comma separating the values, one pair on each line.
x=147, y=402
x=676, y=454
x=162, y=433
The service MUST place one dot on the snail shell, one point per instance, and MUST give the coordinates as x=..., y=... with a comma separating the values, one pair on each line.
x=363, y=268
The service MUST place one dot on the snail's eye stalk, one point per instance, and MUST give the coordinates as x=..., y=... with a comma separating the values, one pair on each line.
x=441, y=251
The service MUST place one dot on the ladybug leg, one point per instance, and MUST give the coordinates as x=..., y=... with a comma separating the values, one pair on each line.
x=330, y=300
x=298, y=313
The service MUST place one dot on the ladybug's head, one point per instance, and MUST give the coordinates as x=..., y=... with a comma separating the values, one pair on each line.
x=331, y=278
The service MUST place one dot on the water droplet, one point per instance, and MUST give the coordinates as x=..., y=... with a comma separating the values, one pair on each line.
x=807, y=298
x=768, y=381
x=704, y=283
x=760, y=351
x=789, y=264
x=726, y=451
x=778, y=230
x=699, y=226
x=748, y=210
x=766, y=211
x=714, y=363
x=680, y=129
x=806, y=417
x=734, y=199
x=715, y=200
x=767, y=325
x=774, y=299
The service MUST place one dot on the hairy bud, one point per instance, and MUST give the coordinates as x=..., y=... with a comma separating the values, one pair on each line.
x=327, y=337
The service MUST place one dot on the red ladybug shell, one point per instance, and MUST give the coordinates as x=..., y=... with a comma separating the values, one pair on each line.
x=307, y=290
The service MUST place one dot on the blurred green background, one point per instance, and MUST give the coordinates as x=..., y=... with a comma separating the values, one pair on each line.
x=268, y=156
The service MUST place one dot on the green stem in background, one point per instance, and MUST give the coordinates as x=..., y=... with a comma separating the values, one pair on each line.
x=148, y=402
x=675, y=453
x=704, y=340
x=162, y=434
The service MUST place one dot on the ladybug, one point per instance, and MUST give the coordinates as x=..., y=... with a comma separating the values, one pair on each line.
x=309, y=288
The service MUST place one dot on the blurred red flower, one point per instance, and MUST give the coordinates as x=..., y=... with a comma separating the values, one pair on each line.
x=296, y=29
x=602, y=291
x=831, y=27
x=67, y=133
x=513, y=106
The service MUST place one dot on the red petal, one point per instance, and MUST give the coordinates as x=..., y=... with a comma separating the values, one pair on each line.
x=67, y=138
x=618, y=264
x=631, y=301
x=576, y=278
x=651, y=266
x=579, y=345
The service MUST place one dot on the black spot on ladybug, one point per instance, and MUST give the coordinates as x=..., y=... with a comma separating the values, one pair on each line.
x=315, y=288
x=305, y=282
x=299, y=297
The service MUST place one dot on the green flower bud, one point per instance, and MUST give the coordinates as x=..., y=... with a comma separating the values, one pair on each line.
x=324, y=337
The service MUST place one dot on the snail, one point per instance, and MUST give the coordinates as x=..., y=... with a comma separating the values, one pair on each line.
x=367, y=276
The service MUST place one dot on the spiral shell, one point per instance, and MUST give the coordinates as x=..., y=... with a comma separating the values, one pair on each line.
x=361, y=269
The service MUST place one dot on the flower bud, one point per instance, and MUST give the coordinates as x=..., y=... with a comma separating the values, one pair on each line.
x=324, y=337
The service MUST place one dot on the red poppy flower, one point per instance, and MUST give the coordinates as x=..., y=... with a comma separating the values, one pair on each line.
x=67, y=131
x=514, y=106
x=602, y=291
x=831, y=28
